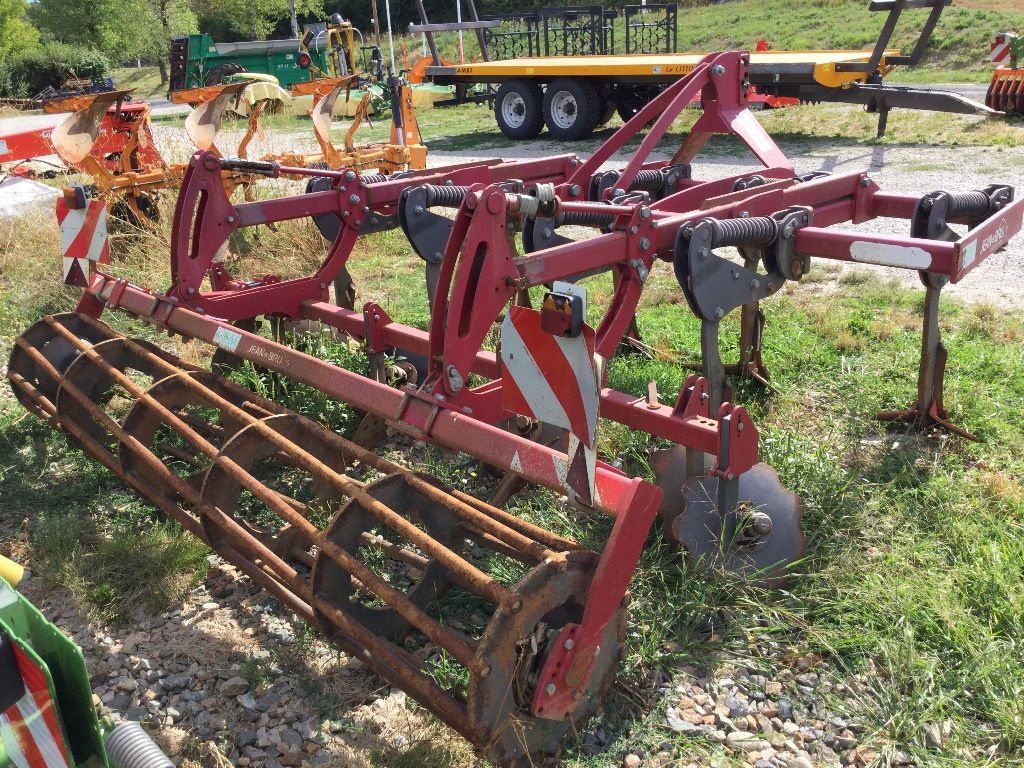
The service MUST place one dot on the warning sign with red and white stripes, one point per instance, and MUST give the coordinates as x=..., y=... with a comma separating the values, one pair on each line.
x=556, y=380
x=83, y=239
x=29, y=730
x=1000, y=49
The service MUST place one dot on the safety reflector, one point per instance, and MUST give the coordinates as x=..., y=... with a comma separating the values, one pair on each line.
x=29, y=730
x=555, y=379
x=83, y=239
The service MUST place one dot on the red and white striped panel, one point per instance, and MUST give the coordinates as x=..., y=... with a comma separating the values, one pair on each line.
x=1000, y=49
x=556, y=380
x=83, y=239
x=29, y=730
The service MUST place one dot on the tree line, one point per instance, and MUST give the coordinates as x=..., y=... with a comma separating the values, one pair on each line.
x=45, y=42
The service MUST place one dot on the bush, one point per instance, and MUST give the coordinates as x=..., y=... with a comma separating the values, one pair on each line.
x=31, y=71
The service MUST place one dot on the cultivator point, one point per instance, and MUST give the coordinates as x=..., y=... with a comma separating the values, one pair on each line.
x=385, y=560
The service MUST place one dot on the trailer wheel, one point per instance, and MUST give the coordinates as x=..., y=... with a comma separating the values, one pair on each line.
x=218, y=74
x=607, y=112
x=572, y=107
x=517, y=108
x=628, y=103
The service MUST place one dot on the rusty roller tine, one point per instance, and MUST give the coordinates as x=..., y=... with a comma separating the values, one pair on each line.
x=393, y=550
x=105, y=457
x=202, y=425
x=189, y=522
x=179, y=454
x=394, y=663
x=462, y=570
x=499, y=546
x=303, y=557
x=552, y=540
x=267, y=582
x=472, y=515
x=455, y=643
x=42, y=402
x=256, y=550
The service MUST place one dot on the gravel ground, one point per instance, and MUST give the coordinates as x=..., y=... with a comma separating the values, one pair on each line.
x=228, y=666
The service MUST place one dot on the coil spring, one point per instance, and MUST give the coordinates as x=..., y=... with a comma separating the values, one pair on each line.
x=648, y=180
x=373, y=178
x=445, y=196
x=968, y=203
x=585, y=218
x=758, y=230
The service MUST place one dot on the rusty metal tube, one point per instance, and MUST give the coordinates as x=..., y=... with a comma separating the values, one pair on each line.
x=459, y=646
x=98, y=451
x=461, y=569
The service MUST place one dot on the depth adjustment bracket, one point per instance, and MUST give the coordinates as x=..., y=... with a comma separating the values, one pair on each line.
x=714, y=286
x=930, y=220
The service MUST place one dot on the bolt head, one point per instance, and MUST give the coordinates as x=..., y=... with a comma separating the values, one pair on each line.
x=719, y=313
x=644, y=243
x=550, y=689
x=354, y=199
x=569, y=644
x=574, y=189
x=350, y=175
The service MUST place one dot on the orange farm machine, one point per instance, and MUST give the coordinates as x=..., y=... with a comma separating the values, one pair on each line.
x=109, y=139
x=548, y=624
x=1006, y=92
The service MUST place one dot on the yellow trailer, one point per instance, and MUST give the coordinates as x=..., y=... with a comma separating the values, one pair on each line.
x=572, y=95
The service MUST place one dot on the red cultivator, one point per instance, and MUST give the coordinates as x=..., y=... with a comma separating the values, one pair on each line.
x=549, y=615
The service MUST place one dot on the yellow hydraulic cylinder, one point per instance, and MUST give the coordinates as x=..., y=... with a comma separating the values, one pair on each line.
x=10, y=571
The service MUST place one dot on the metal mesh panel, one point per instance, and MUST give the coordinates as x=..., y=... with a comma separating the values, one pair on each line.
x=651, y=28
x=518, y=36
x=578, y=30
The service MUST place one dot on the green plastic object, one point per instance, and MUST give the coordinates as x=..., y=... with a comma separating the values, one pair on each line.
x=64, y=666
x=195, y=57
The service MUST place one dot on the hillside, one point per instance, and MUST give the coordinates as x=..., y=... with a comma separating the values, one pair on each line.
x=959, y=48
x=960, y=42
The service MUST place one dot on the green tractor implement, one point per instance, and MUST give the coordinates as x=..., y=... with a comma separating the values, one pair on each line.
x=47, y=715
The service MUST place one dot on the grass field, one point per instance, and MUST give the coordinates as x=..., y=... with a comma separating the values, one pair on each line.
x=914, y=573
x=144, y=82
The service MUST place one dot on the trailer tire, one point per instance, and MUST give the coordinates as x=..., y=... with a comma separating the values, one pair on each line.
x=518, y=109
x=628, y=103
x=218, y=74
x=572, y=107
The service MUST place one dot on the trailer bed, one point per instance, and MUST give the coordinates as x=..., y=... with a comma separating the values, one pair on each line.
x=824, y=68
